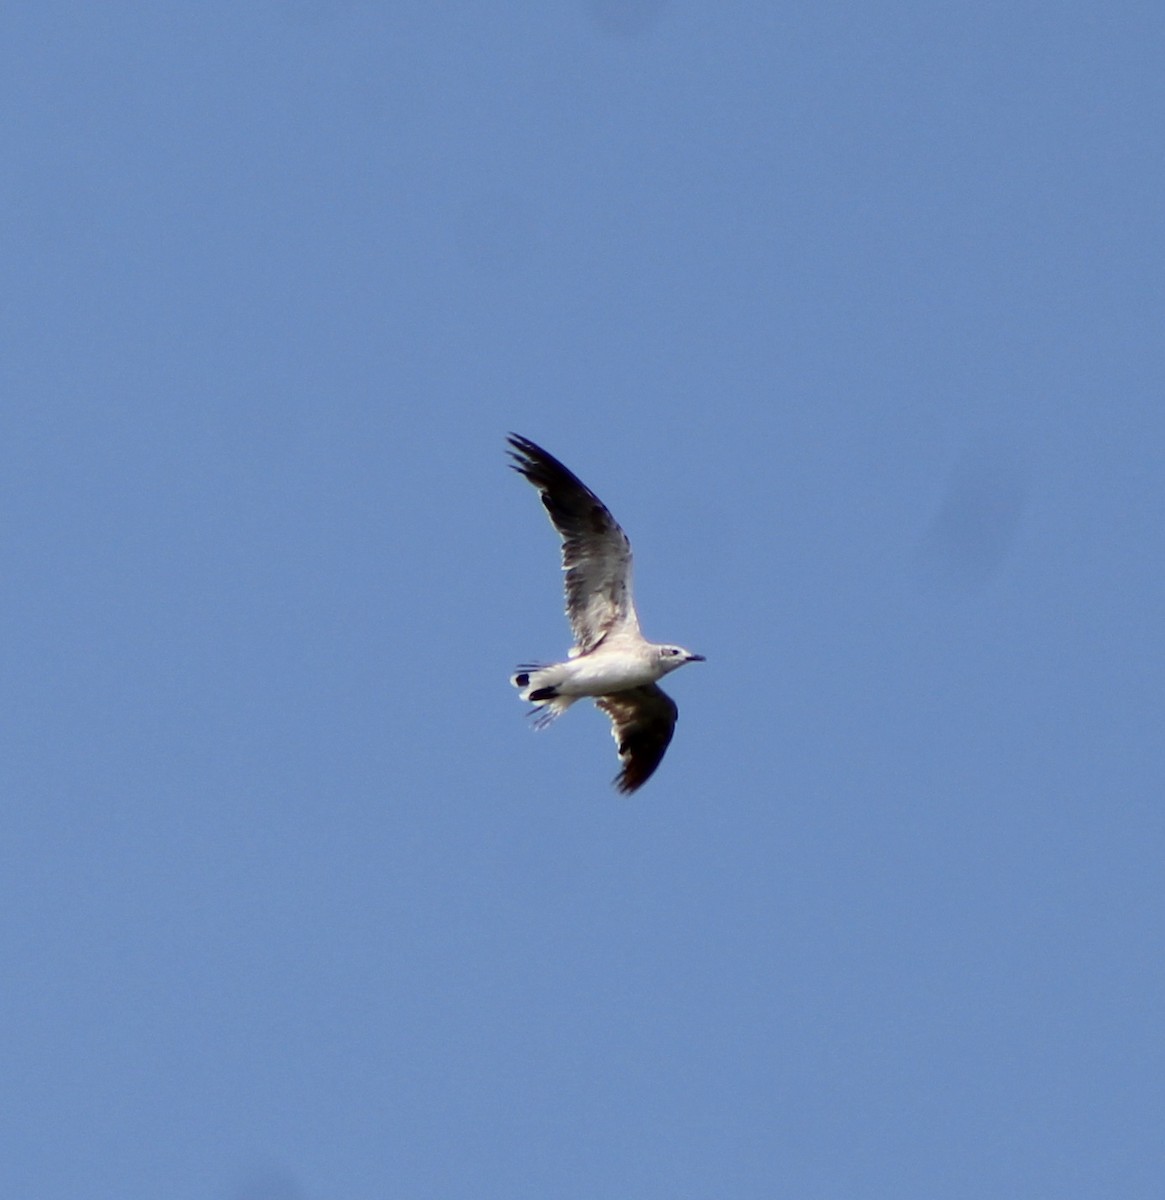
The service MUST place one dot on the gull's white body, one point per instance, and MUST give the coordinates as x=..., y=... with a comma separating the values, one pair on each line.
x=614, y=666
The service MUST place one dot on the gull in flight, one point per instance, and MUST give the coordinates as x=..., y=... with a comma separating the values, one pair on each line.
x=611, y=661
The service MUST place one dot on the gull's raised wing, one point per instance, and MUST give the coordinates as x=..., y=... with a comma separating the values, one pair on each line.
x=643, y=720
x=596, y=554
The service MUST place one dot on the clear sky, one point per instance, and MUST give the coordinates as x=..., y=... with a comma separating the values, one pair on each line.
x=853, y=314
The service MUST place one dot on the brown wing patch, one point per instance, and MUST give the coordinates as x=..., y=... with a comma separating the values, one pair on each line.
x=643, y=720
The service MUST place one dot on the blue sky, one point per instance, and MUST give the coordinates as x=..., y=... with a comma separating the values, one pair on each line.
x=854, y=316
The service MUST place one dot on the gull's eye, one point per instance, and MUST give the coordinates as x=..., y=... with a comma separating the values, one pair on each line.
x=672, y=651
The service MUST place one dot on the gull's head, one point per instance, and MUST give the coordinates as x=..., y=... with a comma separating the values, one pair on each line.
x=671, y=657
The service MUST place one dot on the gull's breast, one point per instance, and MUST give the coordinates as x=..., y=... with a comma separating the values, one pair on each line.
x=610, y=669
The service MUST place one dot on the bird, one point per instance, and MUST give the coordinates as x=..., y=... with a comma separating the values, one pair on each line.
x=611, y=661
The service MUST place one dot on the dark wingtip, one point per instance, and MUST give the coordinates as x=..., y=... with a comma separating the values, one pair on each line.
x=627, y=782
x=524, y=454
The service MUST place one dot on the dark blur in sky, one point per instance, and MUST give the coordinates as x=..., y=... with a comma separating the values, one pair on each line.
x=853, y=315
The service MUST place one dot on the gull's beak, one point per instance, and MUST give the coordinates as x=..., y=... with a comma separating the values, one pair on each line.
x=695, y=658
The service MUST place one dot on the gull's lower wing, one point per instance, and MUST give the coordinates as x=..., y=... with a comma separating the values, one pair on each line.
x=643, y=720
x=596, y=554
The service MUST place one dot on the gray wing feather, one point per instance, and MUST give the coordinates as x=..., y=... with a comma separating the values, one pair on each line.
x=596, y=554
x=643, y=720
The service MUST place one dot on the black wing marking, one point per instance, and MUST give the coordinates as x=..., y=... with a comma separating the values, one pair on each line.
x=643, y=720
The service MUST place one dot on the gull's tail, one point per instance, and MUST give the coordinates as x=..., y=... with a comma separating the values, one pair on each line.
x=537, y=685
